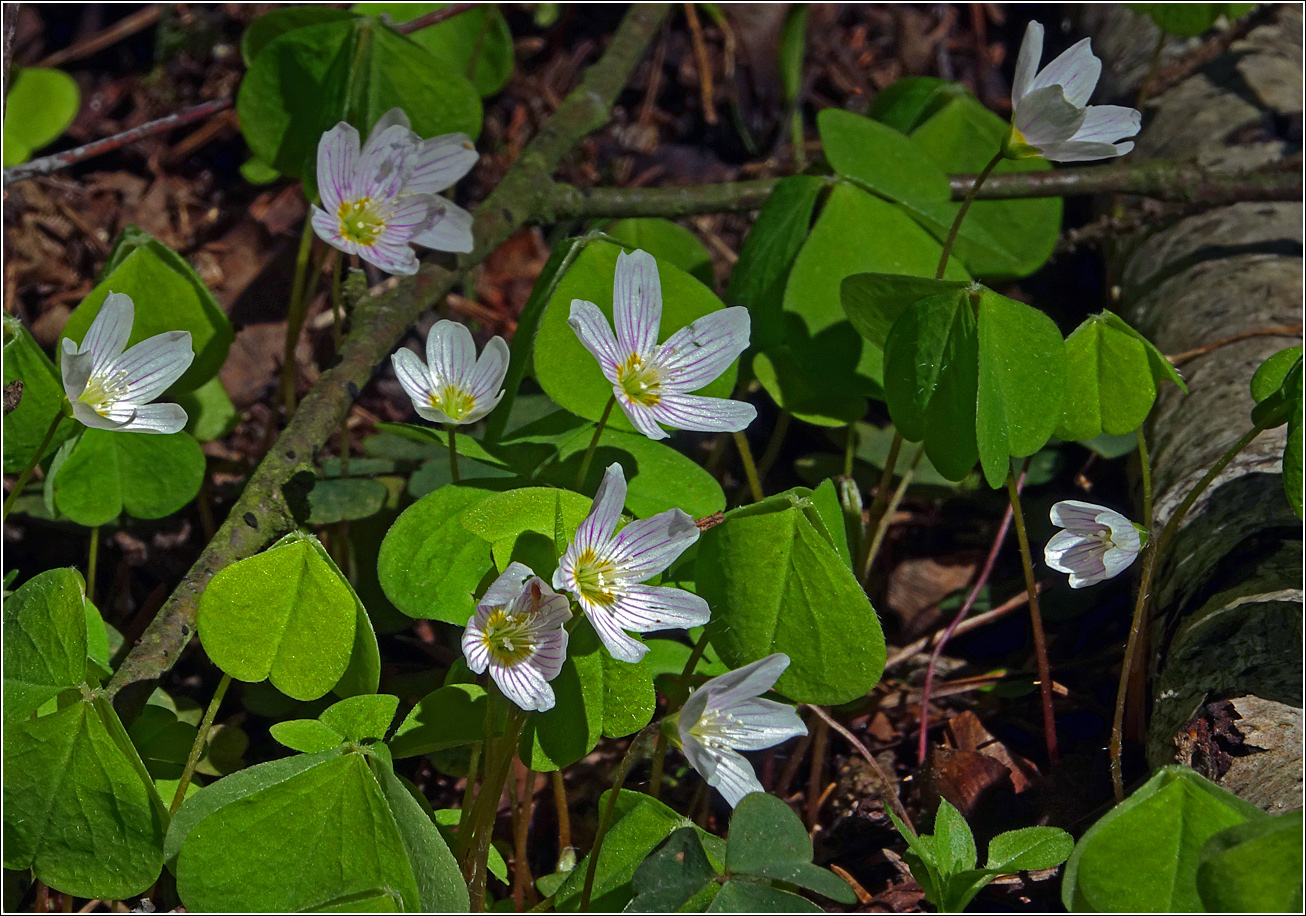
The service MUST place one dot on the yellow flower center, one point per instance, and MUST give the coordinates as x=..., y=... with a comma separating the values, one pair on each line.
x=596, y=578
x=508, y=637
x=1017, y=147
x=103, y=391
x=452, y=401
x=640, y=382
x=359, y=221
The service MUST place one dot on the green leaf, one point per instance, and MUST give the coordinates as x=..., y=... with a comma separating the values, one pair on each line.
x=429, y=565
x=26, y=425
x=255, y=170
x=1270, y=375
x=747, y=897
x=361, y=718
x=921, y=858
x=143, y=474
x=769, y=840
x=758, y=278
x=881, y=159
x=168, y=296
x=209, y=412
x=44, y=641
x=448, y=717
x=477, y=40
x=308, y=736
x=278, y=22
x=874, y=302
x=519, y=524
x=363, y=674
x=907, y=103
x=1022, y=382
x=1028, y=849
x=806, y=378
x=162, y=740
x=568, y=373
x=1256, y=866
x=41, y=103
x=666, y=241
x=447, y=819
x=285, y=615
x=825, y=499
x=776, y=584
x=1189, y=20
x=1292, y=465
x=672, y=874
x=954, y=844
x=640, y=824
x=80, y=809
x=305, y=80
x=931, y=380
x=345, y=499
x=440, y=886
x=1155, y=837
x=1112, y=373
x=998, y=238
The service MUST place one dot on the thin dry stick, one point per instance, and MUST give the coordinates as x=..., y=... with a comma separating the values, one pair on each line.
x=564, y=812
x=704, y=64
x=1287, y=330
x=1036, y=618
x=123, y=28
x=521, y=870
x=889, y=796
x=910, y=650
x=980, y=581
x=819, y=741
x=435, y=17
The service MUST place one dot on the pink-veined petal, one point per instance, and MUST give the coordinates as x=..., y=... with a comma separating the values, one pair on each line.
x=394, y=117
x=75, y=367
x=701, y=414
x=106, y=338
x=1077, y=515
x=486, y=379
x=1075, y=70
x=757, y=724
x=646, y=608
x=483, y=408
x=327, y=228
x=154, y=364
x=550, y=652
x=1116, y=560
x=441, y=161
x=647, y=546
x=507, y=587
x=591, y=326
x=392, y=257
x=1076, y=151
x=451, y=354
x=524, y=685
x=752, y=680
x=1066, y=548
x=699, y=352
x=1107, y=124
x=1123, y=533
x=337, y=162
x=642, y=418
x=1031, y=52
x=412, y=375
x=87, y=416
x=386, y=163
x=156, y=418
x=1045, y=117
x=449, y=229
x=637, y=302
x=620, y=646
x=406, y=217
x=733, y=777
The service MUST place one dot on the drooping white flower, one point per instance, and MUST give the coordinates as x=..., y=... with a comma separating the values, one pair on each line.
x=453, y=386
x=517, y=632
x=651, y=381
x=380, y=200
x=605, y=570
x=725, y=716
x=1050, y=114
x=112, y=389
x=1098, y=543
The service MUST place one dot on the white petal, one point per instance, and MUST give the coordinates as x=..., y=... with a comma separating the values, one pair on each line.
x=524, y=685
x=506, y=589
x=154, y=364
x=392, y=257
x=645, y=608
x=637, y=302
x=327, y=227
x=441, y=161
x=1077, y=151
x=156, y=418
x=647, y=546
x=752, y=680
x=449, y=229
x=697, y=413
x=337, y=161
x=1031, y=52
x=759, y=724
x=76, y=370
x=1107, y=124
x=435, y=415
x=620, y=646
x=591, y=326
x=395, y=116
x=408, y=216
x=641, y=417
x=597, y=528
x=385, y=163
x=729, y=773
x=1123, y=533
x=450, y=354
x=1077, y=515
x=483, y=407
x=690, y=713
x=88, y=417
x=1116, y=560
x=1045, y=117
x=491, y=367
x=106, y=338
x=550, y=652
x=473, y=643
x=1067, y=548
x=699, y=352
x=412, y=375
x=1075, y=70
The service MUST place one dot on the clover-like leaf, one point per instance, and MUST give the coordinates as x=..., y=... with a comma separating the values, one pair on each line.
x=40, y=104
x=768, y=839
x=40, y=402
x=107, y=473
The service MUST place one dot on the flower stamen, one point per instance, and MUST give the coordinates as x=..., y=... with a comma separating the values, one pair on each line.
x=507, y=637
x=640, y=381
x=596, y=578
x=360, y=222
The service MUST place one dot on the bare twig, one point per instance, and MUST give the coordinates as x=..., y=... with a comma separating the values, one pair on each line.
x=890, y=795
x=911, y=650
x=434, y=17
x=1287, y=330
x=47, y=165
x=123, y=28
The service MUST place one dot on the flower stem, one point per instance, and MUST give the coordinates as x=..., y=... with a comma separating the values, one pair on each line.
x=475, y=837
x=92, y=561
x=564, y=812
x=637, y=750
x=1145, y=471
x=767, y=461
x=295, y=318
x=337, y=340
x=961, y=215
x=594, y=444
x=677, y=699
x=453, y=452
x=881, y=501
x=1036, y=618
x=201, y=738
x=469, y=790
x=26, y=475
x=1155, y=547
x=521, y=870
x=750, y=468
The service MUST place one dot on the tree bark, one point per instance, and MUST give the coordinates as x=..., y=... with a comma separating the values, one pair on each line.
x=1226, y=637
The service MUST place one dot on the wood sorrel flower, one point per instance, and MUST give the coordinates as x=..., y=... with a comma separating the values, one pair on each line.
x=112, y=389
x=726, y=716
x=652, y=382
x=453, y=386
x=1050, y=116
x=604, y=568
x=517, y=632
x=1098, y=542
x=379, y=201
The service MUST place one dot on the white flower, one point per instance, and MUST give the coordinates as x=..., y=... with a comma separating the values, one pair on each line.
x=517, y=632
x=726, y=716
x=1098, y=542
x=380, y=200
x=453, y=386
x=604, y=568
x=652, y=382
x=1050, y=114
x=112, y=389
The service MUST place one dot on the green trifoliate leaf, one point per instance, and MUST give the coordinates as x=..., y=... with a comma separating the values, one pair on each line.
x=107, y=473
x=1253, y=866
x=41, y=398
x=881, y=159
x=668, y=241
